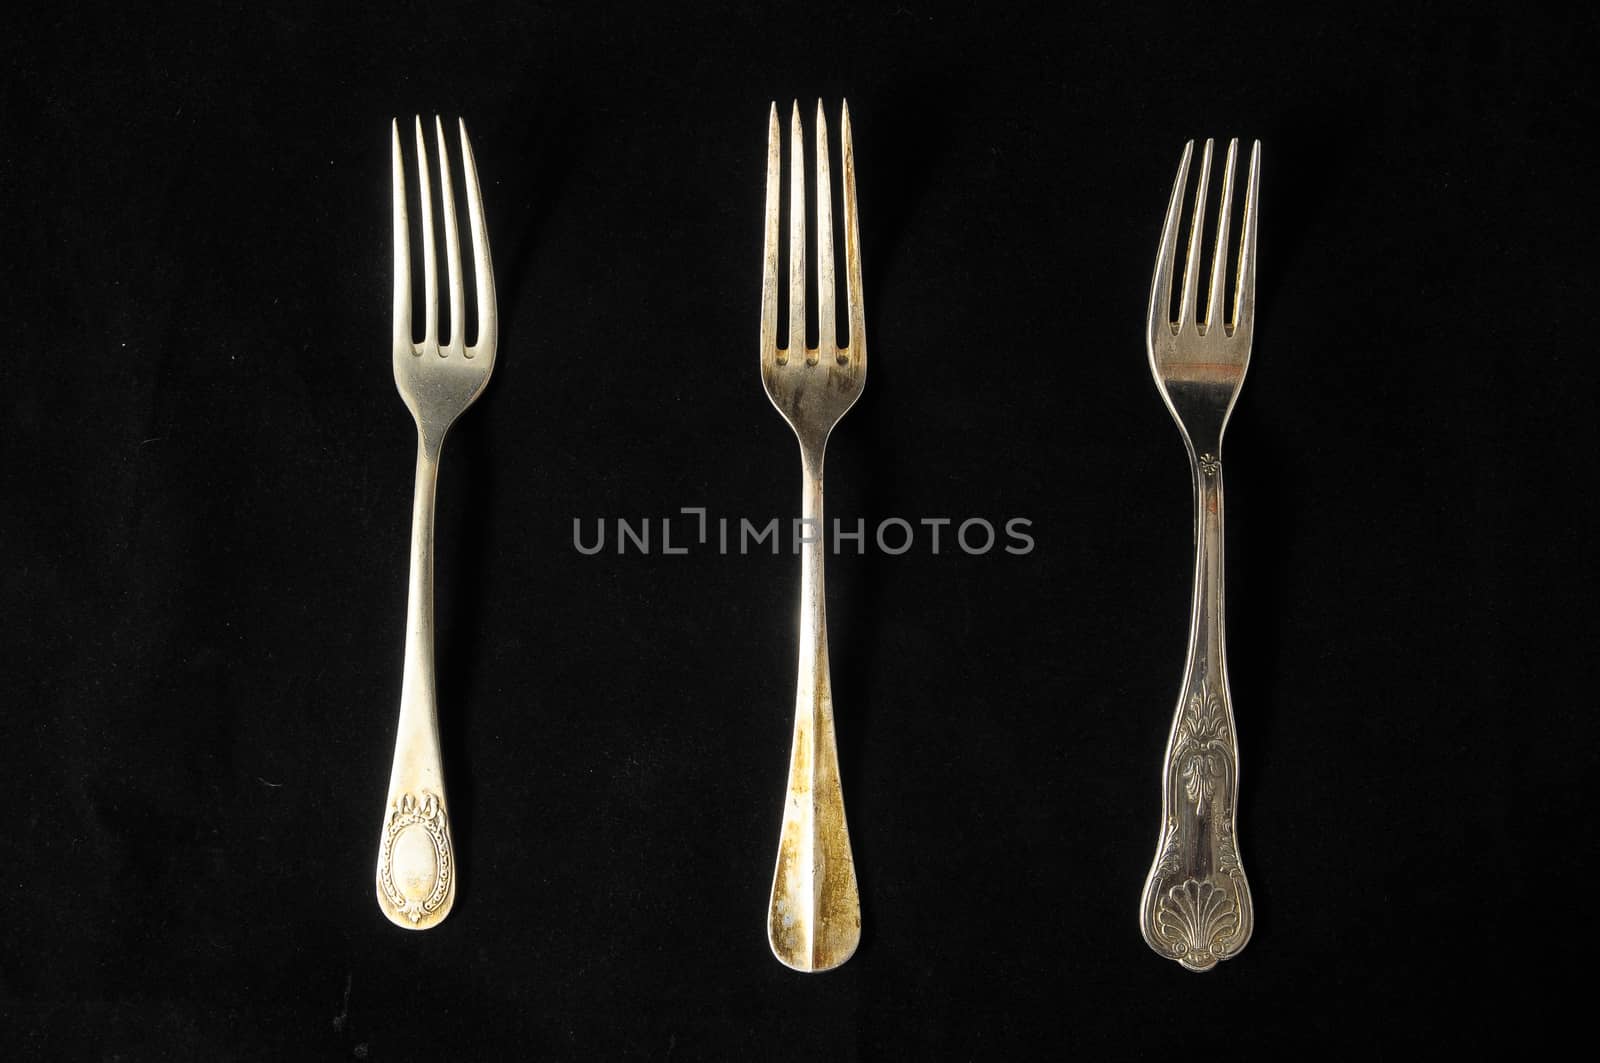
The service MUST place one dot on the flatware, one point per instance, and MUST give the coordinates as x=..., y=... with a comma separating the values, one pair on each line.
x=1196, y=905
x=814, y=920
x=416, y=857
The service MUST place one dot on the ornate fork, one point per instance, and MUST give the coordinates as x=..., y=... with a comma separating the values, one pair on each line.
x=1196, y=906
x=814, y=920
x=416, y=859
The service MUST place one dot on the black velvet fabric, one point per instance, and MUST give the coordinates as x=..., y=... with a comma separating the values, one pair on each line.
x=205, y=491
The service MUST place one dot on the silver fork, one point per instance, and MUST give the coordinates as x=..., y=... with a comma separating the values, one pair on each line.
x=416, y=858
x=1196, y=906
x=814, y=920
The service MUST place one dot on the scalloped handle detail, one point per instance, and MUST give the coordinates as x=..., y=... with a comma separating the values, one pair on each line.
x=1196, y=907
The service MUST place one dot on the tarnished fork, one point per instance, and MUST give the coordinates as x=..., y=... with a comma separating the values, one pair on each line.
x=416, y=857
x=814, y=920
x=1196, y=906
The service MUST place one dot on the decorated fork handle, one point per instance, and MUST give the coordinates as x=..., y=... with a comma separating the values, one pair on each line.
x=1196, y=906
x=416, y=858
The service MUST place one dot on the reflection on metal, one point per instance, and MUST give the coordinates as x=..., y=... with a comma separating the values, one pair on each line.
x=814, y=920
x=416, y=859
x=1196, y=906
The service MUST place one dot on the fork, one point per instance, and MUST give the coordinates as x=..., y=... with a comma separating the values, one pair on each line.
x=416, y=857
x=814, y=919
x=1196, y=906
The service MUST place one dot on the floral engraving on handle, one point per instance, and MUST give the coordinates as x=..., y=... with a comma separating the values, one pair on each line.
x=1202, y=746
x=1197, y=906
x=1227, y=855
x=1171, y=860
x=412, y=896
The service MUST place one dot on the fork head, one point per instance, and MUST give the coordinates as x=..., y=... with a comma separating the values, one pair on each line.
x=812, y=388
x=439, y=380
x=1199, y=364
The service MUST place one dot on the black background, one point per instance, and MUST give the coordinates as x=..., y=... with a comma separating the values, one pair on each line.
x=206, y=479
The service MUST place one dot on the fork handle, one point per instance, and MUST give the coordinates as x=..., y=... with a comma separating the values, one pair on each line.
x=416, y=857
x=1196, y=906
x=814, y=918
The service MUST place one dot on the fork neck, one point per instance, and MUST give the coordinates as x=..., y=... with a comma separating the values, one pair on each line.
x=430, y=441
x=813, y=551
x=811, y=455
x=1206, y=633
x=418, y=736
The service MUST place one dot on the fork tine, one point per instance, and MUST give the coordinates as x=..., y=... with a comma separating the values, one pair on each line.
x=857, y=340
x=430, y=268
x=1191, y=266
x=402, y=247
x=1161, y=283
x=769, y=252
x=827, y=325
x=483, y=272
x=452, y=239
x=1219, y=258
x=1244, y=304
x=797, y=237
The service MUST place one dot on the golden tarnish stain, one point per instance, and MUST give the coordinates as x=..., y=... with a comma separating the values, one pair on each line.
x=1178, y=371
x=815, y=918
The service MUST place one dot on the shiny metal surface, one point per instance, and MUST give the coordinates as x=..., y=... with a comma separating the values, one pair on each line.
x=814, y=919
x=416, y=879
x=1196, y=905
